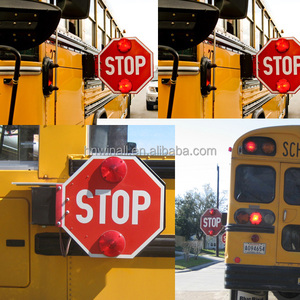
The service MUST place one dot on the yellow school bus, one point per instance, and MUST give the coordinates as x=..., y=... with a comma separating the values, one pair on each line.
x=48, y=76
x=206, y=60
x=263, y=242
x=38, y=259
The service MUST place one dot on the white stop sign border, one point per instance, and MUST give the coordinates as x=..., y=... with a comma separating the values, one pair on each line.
x=151, y=64
x=149, y=172
x=257, y=65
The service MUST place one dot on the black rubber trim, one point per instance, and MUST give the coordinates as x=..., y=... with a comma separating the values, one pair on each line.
x=249, y=228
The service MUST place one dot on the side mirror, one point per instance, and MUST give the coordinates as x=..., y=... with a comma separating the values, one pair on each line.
x=26, y=24
x=74, y=9
x=183, y=24
x=232, y=9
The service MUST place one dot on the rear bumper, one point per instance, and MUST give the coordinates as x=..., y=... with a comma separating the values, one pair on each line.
x=258, y=278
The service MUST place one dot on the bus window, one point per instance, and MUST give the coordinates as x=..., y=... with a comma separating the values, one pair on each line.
x=258, y=28
x=255, y=184
x=18, y=144
x=291, y=238
x=292, y=186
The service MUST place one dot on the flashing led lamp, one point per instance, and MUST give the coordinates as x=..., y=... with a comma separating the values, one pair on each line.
x=268, y=147
x=251, y=146
x=125, y=86
x=255, y=218
x=211, y=232
x=212, y=212
x=282, y=45
x=283, y=86
x=230, y=149
x=113, y=169
x=255, y=238
x=111, y=243
x=124, y=45
x=242, y=217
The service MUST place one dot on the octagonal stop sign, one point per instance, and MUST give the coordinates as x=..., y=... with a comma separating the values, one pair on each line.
x=125, y=65
x=211, y=222
x=278, y=65
x=112, y=206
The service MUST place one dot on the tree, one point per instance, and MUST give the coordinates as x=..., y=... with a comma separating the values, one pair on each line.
x=190, y=207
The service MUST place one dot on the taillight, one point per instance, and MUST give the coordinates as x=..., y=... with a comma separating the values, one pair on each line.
x=48, y=85
x=249, y=216
x=255, y=218
x=259, y=146
x=206, y=67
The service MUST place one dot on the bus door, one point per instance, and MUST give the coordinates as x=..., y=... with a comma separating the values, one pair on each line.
x=288, y=241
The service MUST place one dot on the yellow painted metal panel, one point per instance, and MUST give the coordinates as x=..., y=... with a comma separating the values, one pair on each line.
x=14, y=224
x=56, y=142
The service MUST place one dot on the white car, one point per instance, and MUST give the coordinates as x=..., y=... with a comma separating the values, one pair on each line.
x=152, y=93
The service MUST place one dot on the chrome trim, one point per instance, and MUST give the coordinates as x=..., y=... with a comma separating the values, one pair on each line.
x=25, y=70
x=182, y=70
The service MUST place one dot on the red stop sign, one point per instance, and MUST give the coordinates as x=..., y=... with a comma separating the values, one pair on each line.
x=278, y=65
x=125, y=65
x=127, y=211
x=211, y=222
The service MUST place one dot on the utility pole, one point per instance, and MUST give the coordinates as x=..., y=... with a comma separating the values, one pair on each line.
x=217, y=237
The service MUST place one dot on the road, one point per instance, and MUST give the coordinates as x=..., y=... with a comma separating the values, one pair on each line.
x=206, y=283
x=138, y=107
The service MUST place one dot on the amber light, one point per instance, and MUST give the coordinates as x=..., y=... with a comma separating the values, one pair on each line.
x=124, y=45
x=255, y=218
x=268, y=147
x=283, y=86
x=113, y=169
x=251, y=146
x=125, y=86
x=111, y=243
x=282, y=45
x=242, y=217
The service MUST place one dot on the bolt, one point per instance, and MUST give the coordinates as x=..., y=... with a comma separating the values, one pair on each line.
x=58, y=223
x=67, y=212
x=59, y=188
x=67, y=199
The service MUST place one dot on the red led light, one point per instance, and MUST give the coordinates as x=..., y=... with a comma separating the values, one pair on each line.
x=125, y=86
x=211, y=232
x=251, y=146
x=212, y=212
x=254, y=238
x=237, y=260
x=230, y=149
x=282, y=45
x=111, y=243
x=255, y=218
x=124, y=45
x=283, y=86
x=113, y=169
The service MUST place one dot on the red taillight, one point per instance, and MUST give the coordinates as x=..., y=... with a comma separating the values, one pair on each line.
x=283, y=86
x=237, y=260
x=251, y=146
x=255, y=218
x=111, y=243
x=124, y=45
x=125, y=86
x=113, y=169
x=282, y=45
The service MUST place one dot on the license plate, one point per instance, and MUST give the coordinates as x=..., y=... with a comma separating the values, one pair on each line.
x=254, y=248
x=249, y=296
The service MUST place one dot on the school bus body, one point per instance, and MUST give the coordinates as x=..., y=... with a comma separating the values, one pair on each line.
x=265, y=257
x=36, y=270
x=233, y=97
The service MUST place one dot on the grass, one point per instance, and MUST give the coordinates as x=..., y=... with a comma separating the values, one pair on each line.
x=181, y=264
